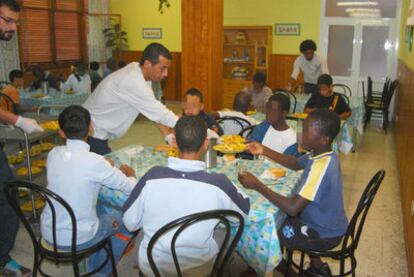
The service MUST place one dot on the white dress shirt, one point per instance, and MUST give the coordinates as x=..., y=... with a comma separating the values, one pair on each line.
x=311, y=69
x=77, y=175
x=120, y=98
x=82, y=86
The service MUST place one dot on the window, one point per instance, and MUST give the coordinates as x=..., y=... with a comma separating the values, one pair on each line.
x=52, y=31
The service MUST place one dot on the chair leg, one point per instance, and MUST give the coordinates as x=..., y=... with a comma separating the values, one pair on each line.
x=289, y=255
x=342, y=267
x=111, y=254
x=302, y=260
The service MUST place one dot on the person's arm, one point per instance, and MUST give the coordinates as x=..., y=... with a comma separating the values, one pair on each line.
x=122, y=179
x=215, y=115
x=309, y=110
x=288, y=161
x=345, y=115
x=292, y=83
x=28, y=125
x=291, y=205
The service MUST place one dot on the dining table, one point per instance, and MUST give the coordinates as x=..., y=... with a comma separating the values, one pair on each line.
x=259, y=245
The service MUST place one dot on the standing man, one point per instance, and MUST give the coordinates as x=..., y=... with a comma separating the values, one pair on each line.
x=312, y=66
x=9, y=222
x=123, y=95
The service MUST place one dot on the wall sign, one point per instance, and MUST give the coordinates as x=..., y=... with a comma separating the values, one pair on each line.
x=291, y=29
x=151, y=33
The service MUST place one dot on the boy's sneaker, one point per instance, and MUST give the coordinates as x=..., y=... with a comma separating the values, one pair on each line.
x=17, y=269
x=323, y=271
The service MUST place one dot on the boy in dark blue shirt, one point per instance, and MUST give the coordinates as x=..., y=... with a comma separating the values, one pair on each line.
x=317, y=217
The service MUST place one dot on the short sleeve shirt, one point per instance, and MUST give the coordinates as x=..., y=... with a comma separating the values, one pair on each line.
x=321, y=184
x=318, y=101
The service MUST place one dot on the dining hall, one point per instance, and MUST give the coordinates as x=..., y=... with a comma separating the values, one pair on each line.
x=206, y=138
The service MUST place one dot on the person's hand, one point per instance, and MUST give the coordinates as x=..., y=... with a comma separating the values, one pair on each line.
x=169, y=139
x=255, y=148
x=128, y=171
x=248, y=180
x=28, y=125
x=111, y=162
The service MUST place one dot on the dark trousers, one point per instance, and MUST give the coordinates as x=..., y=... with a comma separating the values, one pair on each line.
x=9, y=222
x=99, y=146
x=310, y=88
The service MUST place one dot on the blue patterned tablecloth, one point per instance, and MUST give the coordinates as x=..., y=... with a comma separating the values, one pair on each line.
x=53, y=98
x=346, y=140
x=259, y=245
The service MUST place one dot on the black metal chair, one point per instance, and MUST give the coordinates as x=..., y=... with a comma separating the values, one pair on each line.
x=343, y=96
x=380, y=105
x=291, y=96
x=237, y=121
x=246, y=132
x=9, y=102
x=181, y=224
x=42, y=249
x=343, y=89
x=352, y=236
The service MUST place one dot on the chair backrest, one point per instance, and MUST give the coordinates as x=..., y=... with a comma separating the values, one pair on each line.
x=8, y=101
x=181, y=224
x=389, y=93
x=346, y=99
x=246, y=132
x=240, y=123
x=342, y=89
x=356, y=224
x=292, y=97
x=11, y=191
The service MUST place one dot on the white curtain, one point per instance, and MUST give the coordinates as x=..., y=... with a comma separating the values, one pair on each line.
x=9, y=57
x=96, y=42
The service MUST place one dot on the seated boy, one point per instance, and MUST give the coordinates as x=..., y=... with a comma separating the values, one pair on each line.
x=316, y=213
x=193, y=104
x=259, y=91
x=94, y=75
x=326, y=99
x=274, y=132
x=77, y=175
x=241, y=105
x=186, y=189
x=11, y=90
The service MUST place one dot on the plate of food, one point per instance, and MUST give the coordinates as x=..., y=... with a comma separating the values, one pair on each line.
x=46, y=146
x=15, y=159
x=252, y=112
x=69, y=92
x=38, y=95
x=299, y=115
x=52, y=125
x=27, y=206
x=169, y=150
x=231, y=144
x=273, y=174
x=24, y=171
x=39, y=163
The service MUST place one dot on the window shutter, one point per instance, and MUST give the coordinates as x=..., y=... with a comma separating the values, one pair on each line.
x=68, y=37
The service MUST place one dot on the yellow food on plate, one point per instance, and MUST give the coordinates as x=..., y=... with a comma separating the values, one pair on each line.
x=27, y=206
x=51, y=125
x=69, y=92
x=230, y=148
x=39, y=163
x=38, y=95
x=277, y=172
x=251, y=112
x=46, y=146
x=300, y=115
x=232, y=139
x=24, y=171
x=169, y=150
x=173, y=152
x=34, y=151
x=23, y=193
x=15, y=159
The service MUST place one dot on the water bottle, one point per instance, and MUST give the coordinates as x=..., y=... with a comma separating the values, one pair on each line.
x=45, y=87
x=210, y=157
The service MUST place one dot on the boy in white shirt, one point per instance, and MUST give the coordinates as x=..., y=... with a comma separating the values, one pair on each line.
x=274, y=131
x=77, y=175
x=182, y=188
x=79, y=81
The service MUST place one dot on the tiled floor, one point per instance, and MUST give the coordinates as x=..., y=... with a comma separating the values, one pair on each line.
x=381, y=251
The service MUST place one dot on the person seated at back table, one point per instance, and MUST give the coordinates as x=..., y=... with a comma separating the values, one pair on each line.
x=94, y=74
x=186, y=189
x=241, y=105
x=326, y=99
x=43, y=76
x=11, y=90
x=79, y=81
x=274, y=132
x=111, y=66
x=316, y=212
x=193, y=104
x=77, y=175
x=259, y=91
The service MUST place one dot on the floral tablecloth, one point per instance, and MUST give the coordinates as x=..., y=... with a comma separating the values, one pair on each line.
x=347, y=138
x=259, y=245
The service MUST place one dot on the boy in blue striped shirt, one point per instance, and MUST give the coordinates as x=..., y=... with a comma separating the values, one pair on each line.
x=316, y=212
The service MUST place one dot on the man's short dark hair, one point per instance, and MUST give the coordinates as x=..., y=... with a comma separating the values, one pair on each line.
x=11, y=4
x=152, y=53
x=242, y=102
x=259, y=77
x=327, y=122
x=195, y=92
x=190, y=133
x=307, y=45
x=94, y=66
x=325, y=79
x=74, y=122
x=15, y=74
x=283, y=100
